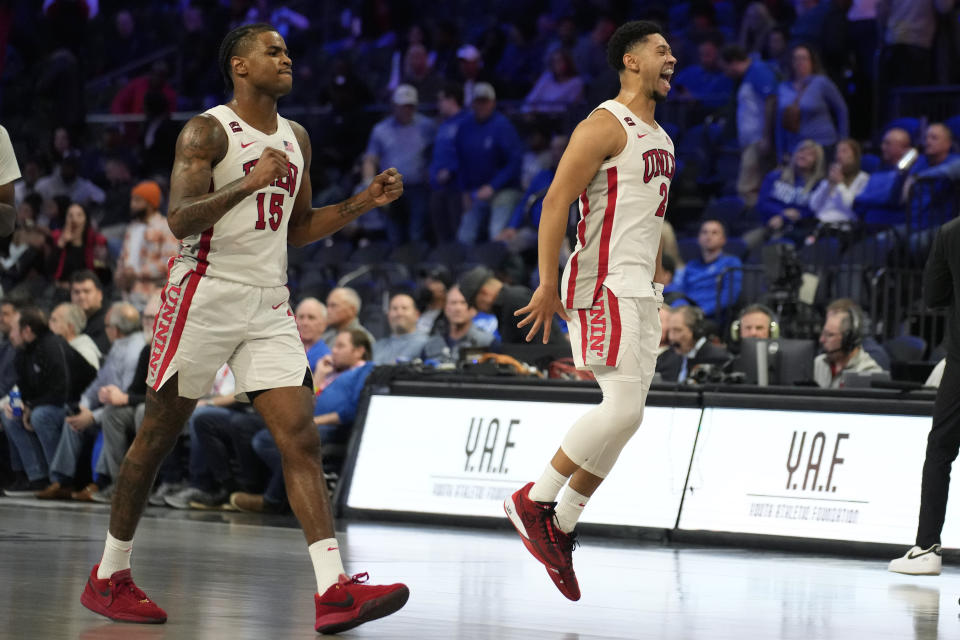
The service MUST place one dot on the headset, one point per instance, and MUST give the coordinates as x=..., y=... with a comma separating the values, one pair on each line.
x=699, y=327
x=853, y=335
x=756, y=308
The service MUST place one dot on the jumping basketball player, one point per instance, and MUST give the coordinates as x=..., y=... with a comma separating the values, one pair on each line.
x=619, y=163
x=239, y=192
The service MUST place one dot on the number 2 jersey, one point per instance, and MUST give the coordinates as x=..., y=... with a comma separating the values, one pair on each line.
x=249, y=243
x=621, y=214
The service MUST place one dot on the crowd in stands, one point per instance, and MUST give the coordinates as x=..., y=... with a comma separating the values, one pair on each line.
x=783, y=136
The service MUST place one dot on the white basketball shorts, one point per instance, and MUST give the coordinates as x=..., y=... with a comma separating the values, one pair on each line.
x=205, y=322
x=617, y=337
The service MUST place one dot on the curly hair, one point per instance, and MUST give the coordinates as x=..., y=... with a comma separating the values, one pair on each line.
x=236, y=41
x=625, y=37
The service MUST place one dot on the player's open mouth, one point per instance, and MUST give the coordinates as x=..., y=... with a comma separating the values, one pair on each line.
x=665, y=78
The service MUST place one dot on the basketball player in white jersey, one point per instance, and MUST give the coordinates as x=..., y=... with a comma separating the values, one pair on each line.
x=619, y=163
x=239, y=192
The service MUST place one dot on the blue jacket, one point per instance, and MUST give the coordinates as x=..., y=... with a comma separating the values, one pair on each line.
x=532, y=201
x=699, y=282
x=343, y=394
x=488, y=153
x=777, y=195
x=445, y=149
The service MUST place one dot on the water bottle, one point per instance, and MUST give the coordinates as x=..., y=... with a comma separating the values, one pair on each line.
x=16, y=402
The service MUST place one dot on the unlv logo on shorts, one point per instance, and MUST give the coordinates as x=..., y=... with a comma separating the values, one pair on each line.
x=597, y=334
x=162, y=325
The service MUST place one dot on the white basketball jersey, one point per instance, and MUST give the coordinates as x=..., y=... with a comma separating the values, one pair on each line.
x=621, y=213
x=249, y=243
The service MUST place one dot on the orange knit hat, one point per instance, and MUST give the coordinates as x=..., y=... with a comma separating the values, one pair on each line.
x=149, y=191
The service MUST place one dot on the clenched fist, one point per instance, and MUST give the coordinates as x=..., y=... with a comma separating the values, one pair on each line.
x=272, y=165
x=386, y=187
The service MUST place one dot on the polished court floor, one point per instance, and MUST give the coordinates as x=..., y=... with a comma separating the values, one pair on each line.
x=234, y=576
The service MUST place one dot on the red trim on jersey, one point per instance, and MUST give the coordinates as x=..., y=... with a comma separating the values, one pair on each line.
x=204, y=251
x=582, y=237
x=583, y=334
x=613, y=306
x=607, y=230
x=177, y=330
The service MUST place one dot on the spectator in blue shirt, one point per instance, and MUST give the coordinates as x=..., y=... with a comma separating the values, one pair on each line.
x=489, y=155
x=934, y=204
x=698, y=281
x=333, y=414
x=756, y=115
x=446, y=205
x=403, y=140
x=784, y=202
x=879, y=202
x=705, y=81
x=311, y=317
x=810, y=105
x=520, y=234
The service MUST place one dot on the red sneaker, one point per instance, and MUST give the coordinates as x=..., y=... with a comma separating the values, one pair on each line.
x=118, y=598
x=535, y=523
x=564, y=576
x=350, y=603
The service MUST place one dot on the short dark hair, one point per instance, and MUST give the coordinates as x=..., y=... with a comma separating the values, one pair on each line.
x=453, y=90
x=34, y=318
x=625, y=37
x=733, y=53
x=359, y=338
x=234, y=41
x=723, y=225
x=83, y=276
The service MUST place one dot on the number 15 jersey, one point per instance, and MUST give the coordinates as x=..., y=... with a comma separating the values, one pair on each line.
x=621, y=213
x=249, y=243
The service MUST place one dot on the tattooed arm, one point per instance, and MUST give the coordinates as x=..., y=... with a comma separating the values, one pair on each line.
x=309, y=225
x=201, y=145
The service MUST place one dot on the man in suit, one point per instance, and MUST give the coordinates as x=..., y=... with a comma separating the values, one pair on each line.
x=941, y=286
x=689, y=345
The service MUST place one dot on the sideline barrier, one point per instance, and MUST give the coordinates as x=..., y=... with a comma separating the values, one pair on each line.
x=786, y=462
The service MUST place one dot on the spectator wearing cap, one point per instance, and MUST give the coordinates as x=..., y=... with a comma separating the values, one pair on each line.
x=489, y=155
x=148, y=244
x=459, y=331
x=403, y=141
x=65, y=181
x=446, y=205
x=485, y=292
x=471, y=70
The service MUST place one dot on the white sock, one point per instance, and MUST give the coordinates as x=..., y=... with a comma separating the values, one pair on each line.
x=547, y=488
x=325, y=555
x=116, y=557
x=569, y=509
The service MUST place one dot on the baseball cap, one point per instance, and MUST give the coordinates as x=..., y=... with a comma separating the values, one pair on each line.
x=468, y=52
x=405, y=94
x=484, y=91
x=472, y=281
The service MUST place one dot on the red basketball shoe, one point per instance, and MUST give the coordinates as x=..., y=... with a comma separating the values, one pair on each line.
x=537, y=526
x=350, y=603
x=563, y=576
x=118, y=598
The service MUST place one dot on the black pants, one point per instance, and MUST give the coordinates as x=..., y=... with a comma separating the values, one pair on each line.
x=943, y=443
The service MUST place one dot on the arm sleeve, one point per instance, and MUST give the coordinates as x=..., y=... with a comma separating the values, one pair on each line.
x=513, y=152
x=820, y=194
x=767, y=205
x=937, y=279
x=837, y=105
